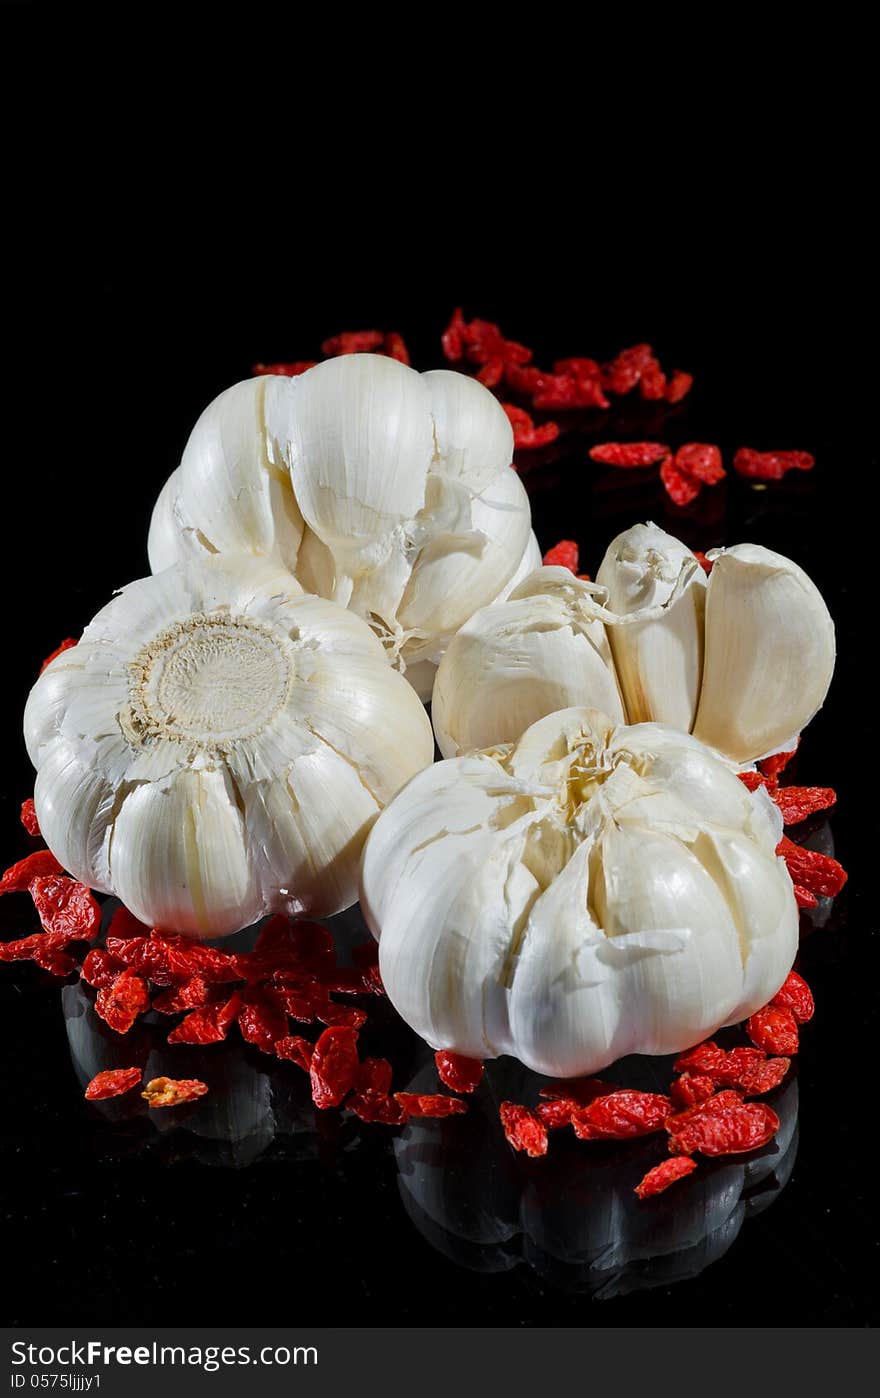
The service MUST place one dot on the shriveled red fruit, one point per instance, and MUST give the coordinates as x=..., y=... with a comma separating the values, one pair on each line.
x=525, y=434
x=764, y=1076
x=628, y=454
x=371, y=1100
x=334, y=1066
x=523, y=1130
x=817, y=873
x=678, y=385
x=430, y=1104
x=124, y=924
x=565, y=554
x=702, y=1058
x=172, y=1092
x=798, y=802
x=19, y=877
x=701, y=460
x=770, y=465
x=772, y=766
x=794, y=994
x=704, y=562
x=113, y=1082
x=457, y=1072
x=295, y=1049
x=490, y=376
x=773, y=1030
x=752, y=780
x=46, y=949
x=680, y=487
x=725, y=1068
x=452, y=339
x=66, y=644
x=728, y=1130
x=581, y=1091
x=208, y=1025
x=691, y=1089
x=120, y=1003
x=561, y=392
x=191, y=995
x=625, y=370
x=621, y=1115
x=29, y=817
x=352, y=342
x=261, y=1022
x=100, y=969
x=395, y=347
x=804, y=898
x=556, y=1113
x=289, y=368
x=167, y=958
x=65, y=906
x=652, y=381
x=578, y=367
x=665, y=1174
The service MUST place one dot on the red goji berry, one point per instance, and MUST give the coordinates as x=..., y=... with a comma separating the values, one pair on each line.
x=702, y=1058
x=704, y=562
x=818, y=873
x=691, y=1089
x=457, y=1072
x=210, y=1024
x=523, y=1130
x=621, y=1115
x=774, y=1030
x=66, y=644
x=395, y=348
x=65, y=906
x=430, y=1104
x=120, y=1003
x=678, y=386
x=191, y=995
x=563, y=391
x=452, y=338
x=752, y=780
x=794, y=994
x=578, y=368
x=124, y=924
x=113, y=1082
x=731, y=1131
x=261, y=1022
x=100, y=969
x=680, y=487
x=557, y=1113
x=715, y=1105
x=528, y=379
x=652, y=381
x=764, y=1076
x=804, y=898
x=372, y=1106
x=772, y=766
x=580, y=1091
x=295, y=1049
x=665, y=1174
x=525, y=433
x=171, y=1092
x=29, y=817
x=701, y=460
x=19, y=877
x=334, y=1066
x=491, y=374
x=330, y=1013
x=290, y=369
x=565, y=554
x=352, y=342
x=624, y=371
x=629, y=453
x=770, y=465
x=798, y=802
x=45, y=948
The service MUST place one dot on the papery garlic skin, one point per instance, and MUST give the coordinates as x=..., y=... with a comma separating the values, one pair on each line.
x=387, y=491
x=543, y=649
x=217, y=745
x=593, y=891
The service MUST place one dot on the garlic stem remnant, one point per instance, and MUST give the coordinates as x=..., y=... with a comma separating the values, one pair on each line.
x=217, y=746
x=592, y=891
x=743, y=659
x=387, y=491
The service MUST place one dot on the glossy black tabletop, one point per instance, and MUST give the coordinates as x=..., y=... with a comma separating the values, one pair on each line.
x=251, y=1207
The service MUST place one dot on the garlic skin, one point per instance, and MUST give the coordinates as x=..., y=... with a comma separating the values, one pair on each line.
x=217, y=745
x=742, y=659
x=387, y=491
x=592, y=891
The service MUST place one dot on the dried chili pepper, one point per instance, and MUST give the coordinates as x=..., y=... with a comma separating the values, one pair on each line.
x=665, y=1174
x=120, y=1003
x=430, y=1104
x=457, y=1072
x=113, y=1082
x=565, y=554
x=629, y=453
x=691, y=1088
x=523, y=1130
x=29, y=817
x=770, y=465
x=19, y=877
x=525, y=434
x=678, y=386
x=622, y=1114
x=172, y=1092
x=334, y=1066
x=798, y=802
x=290, y=369
x=774, y=1030
x=794, y=994
x=764, y=1076
x=295, y=1049
x=209, y=1024
x=817, y=873
x=65, y=906
x=66, y=644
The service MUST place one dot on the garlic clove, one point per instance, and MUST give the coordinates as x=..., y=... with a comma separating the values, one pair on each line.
x=75, y=801
x=472, y=433
x=656, y=597
x=543, y=649
x=769, y=653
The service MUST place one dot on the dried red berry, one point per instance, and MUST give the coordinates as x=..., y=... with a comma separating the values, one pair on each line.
x=621, y=1115
x=678, y=386
x=334, y=1066
x=804, y=898
x=794, y=994
x=525, y=434
x=691, y=1089
x=818, y=873
x=764, y=1076
x=430, y=1104
x=702, y=1058
x=652, y=381
x=373, y=1106
x=113, y=1082
x=625, y=370
x=752, y=780
x=260, y=1020
x=565, y=554
x=704, y=562
x=774, y=1030
x=665, y=1174
x=523, y=1130
x=44, y=948
x=328, y=1012
x=770, y=465
x=457, y=1072
x=171, y=1092
x=289, y=369
x=557, y=1113
x=100, y=969
x=395, y=348
x=728, y=1129
x=352, y=342
x=191, y=995
x=680, y=487
x=452, y=338
x=559, y=392
x=701, y=460
x=491, y=375
x=120, y=1003
x=295, y=1049
x=208, y=1025
x=19, y=877
x=798, y=802
x=65, y=907
x=629, y=453
x=29, y=817
x=581, y=1091
x=772, y=766
x=59, y=650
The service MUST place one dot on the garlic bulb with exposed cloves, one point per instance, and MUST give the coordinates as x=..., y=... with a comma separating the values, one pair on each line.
x=591, y=891
x=217, y=746
x=387, y=491
x=742, y=659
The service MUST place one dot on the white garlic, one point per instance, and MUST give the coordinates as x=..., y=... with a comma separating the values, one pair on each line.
x=387, y=491
x=217, y=746
x=594, y=890
x=743, y=659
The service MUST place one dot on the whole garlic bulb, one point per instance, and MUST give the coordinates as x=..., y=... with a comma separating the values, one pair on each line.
x=387, y=491
x=217, y=746
x=592, y=891
x=742, y=659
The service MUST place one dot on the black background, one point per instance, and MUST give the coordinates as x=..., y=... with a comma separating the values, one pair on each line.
x=127, y=313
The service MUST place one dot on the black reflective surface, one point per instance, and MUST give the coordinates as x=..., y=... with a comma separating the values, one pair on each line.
x=249, y=1206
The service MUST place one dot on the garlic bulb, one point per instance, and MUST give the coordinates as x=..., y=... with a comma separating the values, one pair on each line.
x=217, y=746
x=387, y=491
x=594, y=890
x=742, y=659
